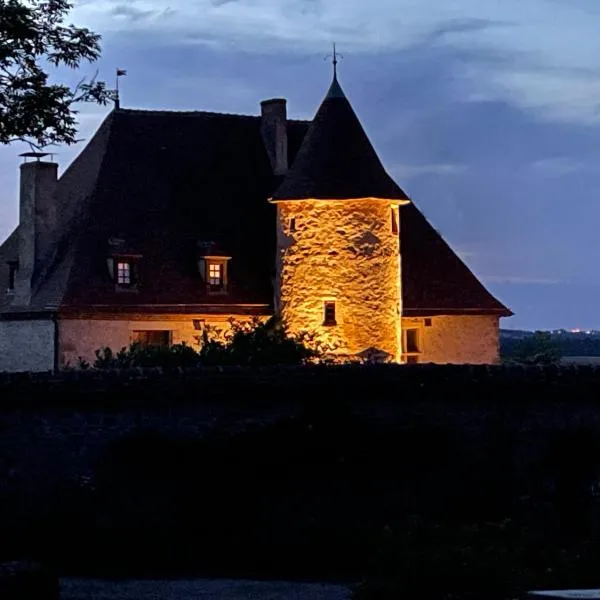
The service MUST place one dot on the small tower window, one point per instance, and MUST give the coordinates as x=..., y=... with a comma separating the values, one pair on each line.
x=124, y=273
x=293, y=224
x=395, y=220
x=329, y=313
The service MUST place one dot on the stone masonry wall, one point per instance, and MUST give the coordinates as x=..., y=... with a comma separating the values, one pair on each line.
x=82, y=337
x=341, y=250
x=27, y=345
x=462, y=339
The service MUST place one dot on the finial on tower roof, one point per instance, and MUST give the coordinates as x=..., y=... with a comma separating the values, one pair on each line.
x=335, y=91
x=335, y=61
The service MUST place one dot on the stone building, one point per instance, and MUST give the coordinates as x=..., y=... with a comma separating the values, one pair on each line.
x=168, y=222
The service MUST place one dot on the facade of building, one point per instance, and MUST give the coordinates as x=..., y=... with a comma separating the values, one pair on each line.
x=171, y=221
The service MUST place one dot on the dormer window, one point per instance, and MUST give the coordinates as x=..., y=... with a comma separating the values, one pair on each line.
x=215, y=273
x=124, y=273
x=212, y=265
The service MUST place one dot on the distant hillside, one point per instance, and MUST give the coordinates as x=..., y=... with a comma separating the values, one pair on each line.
x=569, y=343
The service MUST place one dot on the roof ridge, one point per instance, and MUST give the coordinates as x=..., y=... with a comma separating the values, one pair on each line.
x=210, y=113
x=162, y=112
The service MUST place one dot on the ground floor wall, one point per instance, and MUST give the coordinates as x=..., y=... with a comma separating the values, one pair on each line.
x=27, y=345
x=437, y=339
x=79, y=338
x=458, y=339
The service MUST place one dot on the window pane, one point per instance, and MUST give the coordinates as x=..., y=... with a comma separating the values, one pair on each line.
x=412, y=340
x=215, y=274
x=123, y=273
x=152, y=337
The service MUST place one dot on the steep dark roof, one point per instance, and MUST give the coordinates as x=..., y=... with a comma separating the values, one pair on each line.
x=336, y=159
x=435, y=281
x=161, y=181
x=169, y=180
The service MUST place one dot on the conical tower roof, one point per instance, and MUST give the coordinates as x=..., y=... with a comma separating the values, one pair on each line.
x=336, y=160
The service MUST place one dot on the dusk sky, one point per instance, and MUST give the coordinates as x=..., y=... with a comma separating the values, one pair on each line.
x=487, y=113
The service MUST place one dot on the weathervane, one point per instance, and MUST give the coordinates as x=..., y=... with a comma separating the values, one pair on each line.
x=335, y=57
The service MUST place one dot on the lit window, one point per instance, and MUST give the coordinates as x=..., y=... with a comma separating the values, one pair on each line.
x=394, y=220
x=215, y=274
x=123, y=273
x=329, y=313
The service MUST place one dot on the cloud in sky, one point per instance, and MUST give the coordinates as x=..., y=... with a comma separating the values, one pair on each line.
x=545, y=49
x=404, y=172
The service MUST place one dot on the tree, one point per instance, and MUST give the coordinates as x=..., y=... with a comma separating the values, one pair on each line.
x=33, y=39
x=539, y=349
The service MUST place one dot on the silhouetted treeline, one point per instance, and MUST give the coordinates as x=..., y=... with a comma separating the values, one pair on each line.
x=566, y=344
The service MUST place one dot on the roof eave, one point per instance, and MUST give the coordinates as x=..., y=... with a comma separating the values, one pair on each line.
x=395, y=201
x=455, y=312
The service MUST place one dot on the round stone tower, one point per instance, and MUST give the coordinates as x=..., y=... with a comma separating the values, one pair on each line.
x=338, y=243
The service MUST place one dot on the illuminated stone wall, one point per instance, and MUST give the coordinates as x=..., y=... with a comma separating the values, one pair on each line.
x=458, y=339
x=342, y=250
x=83, y=336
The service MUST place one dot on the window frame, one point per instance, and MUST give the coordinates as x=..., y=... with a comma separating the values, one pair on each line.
x=407, y=354
x=205, y=270
x=215, y=274
x=123, y=276
x=133, y=260
x=144, y=344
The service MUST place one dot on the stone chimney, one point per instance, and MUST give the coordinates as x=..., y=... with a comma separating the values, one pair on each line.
x=38, y=221
x=273, y=129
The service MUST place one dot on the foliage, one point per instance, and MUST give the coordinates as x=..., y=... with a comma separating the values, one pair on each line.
x=251, y=343
x=539, y=349
x=33, y=38
x=137, y=355
x=258, y=343
x=568, y=343
x=441, y=561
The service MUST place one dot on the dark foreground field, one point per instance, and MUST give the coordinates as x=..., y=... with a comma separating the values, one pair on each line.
x=436, y=478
